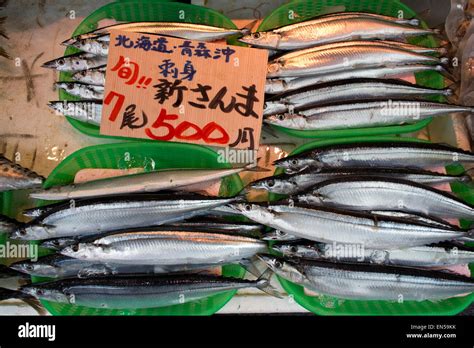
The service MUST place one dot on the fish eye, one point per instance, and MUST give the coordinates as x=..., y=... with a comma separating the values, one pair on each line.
x=22, y=232
x=247, y=207
x=294, y=162
x=293, y=249
x=281, y=117
x=70, y=86
x=75, y=247
x=61, y=61
x=29, y=267
x=271, y=183
x=278, y=264
x=39, y=292
x=256, y=35
x=55, y=242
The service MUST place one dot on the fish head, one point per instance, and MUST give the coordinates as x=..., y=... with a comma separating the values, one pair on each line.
x=49, y=294
x=58, y=243
x=273, y=107
x=293, y=121
x=67, y=86
x=273, y=69
x=58, y=64
x=254, y=212
x=82, y=251
x=283, y=268
x=32, y=232
x=35, y=268
x=264, y=39
x=278, y=236
x=274, y=184
x=295, y=164
x=296, y=250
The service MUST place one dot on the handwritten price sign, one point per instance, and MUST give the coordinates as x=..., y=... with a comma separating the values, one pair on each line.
x=171, y=89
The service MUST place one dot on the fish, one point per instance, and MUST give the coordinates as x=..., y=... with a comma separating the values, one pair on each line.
x=393, y=154
x=92, y=76
x=437, y=255
x=325, y=31
x=364, y=114
x=8, y=225
x=15, y=177
x=88, y=111
x=291, y=184
x=282, y=85
x=346, y=91
x=342, y=15
x=334, y=60
x=92, y=216
x=420, y=218
x=128, y=292
x=94, y=45
x=371, y=282
x=375, y=193
x=85, y=91
x=166, y=247
x=59, y=267
x=153, y=181
x=280, y=236
x=76, y=62
x=191, y=31
x=328, y=225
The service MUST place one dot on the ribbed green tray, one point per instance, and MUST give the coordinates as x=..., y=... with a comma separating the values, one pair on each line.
x=163, y=155
x=136, y=11
x=320, y=306
x=304, y=9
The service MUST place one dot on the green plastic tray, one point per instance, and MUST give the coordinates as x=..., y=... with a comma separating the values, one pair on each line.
x=156, y=156
x=326, y=305
x=135, y=11
x=304, y=9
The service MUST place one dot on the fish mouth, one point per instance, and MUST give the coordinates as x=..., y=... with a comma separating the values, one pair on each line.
x=49, y=64
x=69, y=42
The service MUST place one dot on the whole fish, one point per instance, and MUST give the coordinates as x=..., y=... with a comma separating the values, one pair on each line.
x=167, y=247
x=134, y=292
x=60, y=266
x=327, y=225
x=375, y=193
x=91, y=76
x=92, y=216
x=76, y=62
x=82, y=90
x=339, y=59
x=7, y=225
x=88, y=111
x=394, y=154
x=281, y=85
x=346, y=91
x=324, y=31
x=154, y=181
x=15, y=177
x=371, y=282
x=447, y=254
x=189, y=31
x=363, y=114
x=290, y=184
x=95, y=45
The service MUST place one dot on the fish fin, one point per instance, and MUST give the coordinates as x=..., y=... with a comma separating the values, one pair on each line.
x=248, y=27
x=250, y=266
x=7, y=294
x=263, y=283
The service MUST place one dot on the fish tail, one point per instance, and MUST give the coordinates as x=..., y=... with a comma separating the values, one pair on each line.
x=248, y=28
x=7, y=294
x=263, y=283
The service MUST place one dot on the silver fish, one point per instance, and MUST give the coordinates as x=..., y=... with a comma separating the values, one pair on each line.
x=324, y=31
x=91, y=76
x=332, y=225
x=59, y=266
x=371, y=282
x=364, y=114
x=82, y=90
x=374, y=193
x=290, y=184
x=154, y=181
x=394, y=154
x=15, y=177
x=76, y=62
x=281, y=85
x=96, y=46
x=128, y=292
x=420, y=256
x=339, y=59
x=189, y=31
x=88, y=111
x=346, y=91
x=420, y=218
x=167, y=247
x=88, y=217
